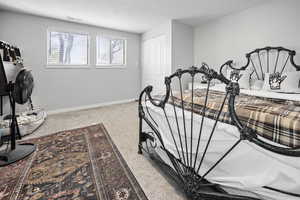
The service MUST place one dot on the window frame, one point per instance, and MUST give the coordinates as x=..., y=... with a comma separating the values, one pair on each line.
x=68, y=66
x=111, y=66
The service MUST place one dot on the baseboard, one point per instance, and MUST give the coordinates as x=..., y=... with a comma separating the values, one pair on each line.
x=63, y=110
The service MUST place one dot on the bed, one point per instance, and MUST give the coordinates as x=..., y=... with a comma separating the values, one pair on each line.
x=226, y=142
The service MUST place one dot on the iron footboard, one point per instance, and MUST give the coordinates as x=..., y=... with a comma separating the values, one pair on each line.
x=183, y=166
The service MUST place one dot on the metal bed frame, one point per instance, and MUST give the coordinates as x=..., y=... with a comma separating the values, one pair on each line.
x=183, y=168
x=259, y=68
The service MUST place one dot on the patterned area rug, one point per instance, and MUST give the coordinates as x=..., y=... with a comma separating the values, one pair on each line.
x=80, y=164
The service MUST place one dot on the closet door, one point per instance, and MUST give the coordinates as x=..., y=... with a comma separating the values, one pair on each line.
x=154, y=66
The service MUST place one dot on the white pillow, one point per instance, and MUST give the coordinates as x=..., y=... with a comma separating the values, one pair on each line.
x=257, y=84
x=292, y=82
x=245, y=80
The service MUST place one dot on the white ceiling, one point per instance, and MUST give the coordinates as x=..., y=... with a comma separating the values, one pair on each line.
x=130, y=15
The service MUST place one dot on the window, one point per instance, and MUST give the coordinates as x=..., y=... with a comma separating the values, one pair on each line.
x=66, y=48
x=110, y=51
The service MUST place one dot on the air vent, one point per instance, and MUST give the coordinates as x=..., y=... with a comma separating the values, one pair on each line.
x=74, y=19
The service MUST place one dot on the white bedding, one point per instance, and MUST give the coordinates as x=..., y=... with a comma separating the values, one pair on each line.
x=262, y=93
x=248, y=167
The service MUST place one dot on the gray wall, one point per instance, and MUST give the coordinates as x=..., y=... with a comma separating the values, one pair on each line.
x=182, y=45
x=231, y=37
x=182, y=49
x=68, y=88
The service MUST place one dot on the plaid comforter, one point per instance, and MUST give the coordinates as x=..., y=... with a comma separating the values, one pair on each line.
x=274, y=119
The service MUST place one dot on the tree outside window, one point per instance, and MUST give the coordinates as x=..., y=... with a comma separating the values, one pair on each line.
x=65, y=48
x=110, y=51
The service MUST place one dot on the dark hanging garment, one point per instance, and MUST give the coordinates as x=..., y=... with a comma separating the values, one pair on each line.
x=3, y=79
x=6, y=56
x=12, y=54
x=17, y=52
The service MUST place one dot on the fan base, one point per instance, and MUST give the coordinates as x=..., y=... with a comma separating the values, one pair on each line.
x=21, y=151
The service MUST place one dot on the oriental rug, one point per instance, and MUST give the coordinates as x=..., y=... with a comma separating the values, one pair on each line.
x=79, y=164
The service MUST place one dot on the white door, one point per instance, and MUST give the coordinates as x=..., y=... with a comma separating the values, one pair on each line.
x=154, y=67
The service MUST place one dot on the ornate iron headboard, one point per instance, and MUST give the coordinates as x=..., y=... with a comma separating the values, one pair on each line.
x=258, y=70
x=267, y=60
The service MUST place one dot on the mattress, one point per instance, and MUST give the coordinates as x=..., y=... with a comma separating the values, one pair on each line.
x=247, y=168
x=275, y=119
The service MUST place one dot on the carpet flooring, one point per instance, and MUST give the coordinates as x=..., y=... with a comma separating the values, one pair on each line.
x=121, y=122
x=78, y=164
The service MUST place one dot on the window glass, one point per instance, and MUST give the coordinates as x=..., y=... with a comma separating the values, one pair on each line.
x=111, y=51
x=66, y=48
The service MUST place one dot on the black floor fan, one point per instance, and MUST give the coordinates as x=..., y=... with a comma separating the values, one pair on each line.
x=19, y=92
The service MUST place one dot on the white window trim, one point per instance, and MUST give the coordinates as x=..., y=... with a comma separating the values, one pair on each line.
x=68, y=66
x=111, y=66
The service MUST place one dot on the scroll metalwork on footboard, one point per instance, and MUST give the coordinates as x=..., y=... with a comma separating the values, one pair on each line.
x=185, y=162
x=184, y=143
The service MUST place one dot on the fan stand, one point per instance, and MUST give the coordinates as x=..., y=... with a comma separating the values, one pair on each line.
x=17, y=151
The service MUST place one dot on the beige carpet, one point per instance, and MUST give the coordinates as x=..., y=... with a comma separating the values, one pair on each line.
x=121, y=121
